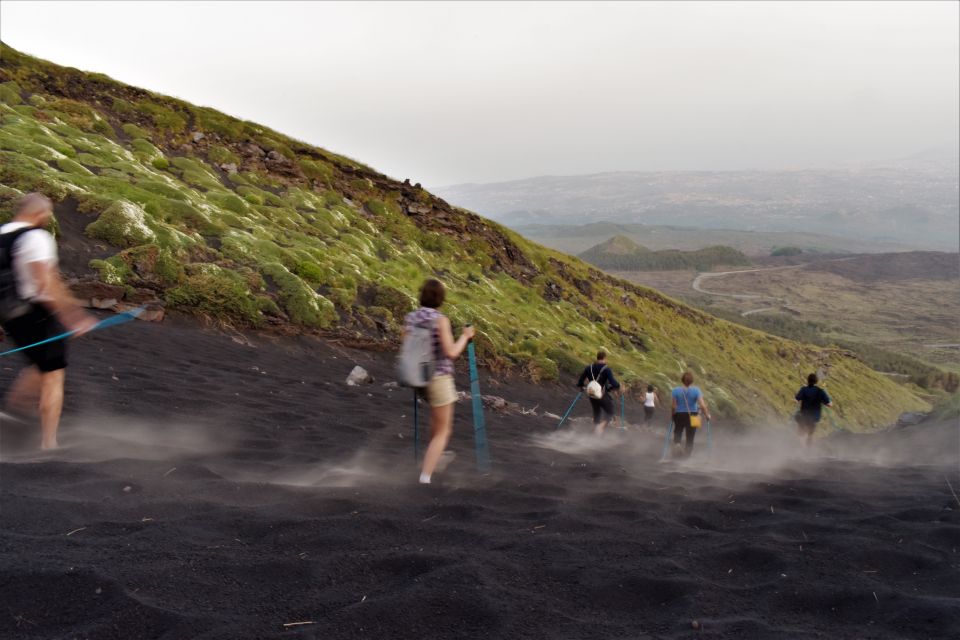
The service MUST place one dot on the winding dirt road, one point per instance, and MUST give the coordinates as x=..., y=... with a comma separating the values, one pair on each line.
x=697, y=286
x=780, y=302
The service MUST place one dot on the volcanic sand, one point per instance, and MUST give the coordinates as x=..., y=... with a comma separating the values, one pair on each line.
x=216, y=485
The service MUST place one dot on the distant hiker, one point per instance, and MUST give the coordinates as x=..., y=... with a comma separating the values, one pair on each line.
x=650, y=402
x=439, y=390
x=36, y=305
x=599, y=382
x=686, y=404
x=810, y=400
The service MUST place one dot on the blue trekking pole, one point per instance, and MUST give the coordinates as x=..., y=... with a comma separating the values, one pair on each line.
x=572, y=405
x=416, y=427
x=666, y=441
x=119, y=318
x=622, y=401
x=479, y=427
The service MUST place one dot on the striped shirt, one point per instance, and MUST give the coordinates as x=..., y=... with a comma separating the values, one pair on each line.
x=425, y=316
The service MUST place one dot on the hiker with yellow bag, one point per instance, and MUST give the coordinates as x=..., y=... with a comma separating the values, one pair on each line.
x=687, y=403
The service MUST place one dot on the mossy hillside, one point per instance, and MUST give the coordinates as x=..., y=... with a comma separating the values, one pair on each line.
x=300, y=236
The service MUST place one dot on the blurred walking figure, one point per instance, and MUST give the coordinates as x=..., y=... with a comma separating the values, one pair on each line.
x=810, y=399
x=599, y=381
x=686, y=404
x=35, y=305
x=650, y=402
x=440, y=391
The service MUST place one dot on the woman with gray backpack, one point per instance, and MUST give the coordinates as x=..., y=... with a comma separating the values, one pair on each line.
x=599, y=382
x=426, y=363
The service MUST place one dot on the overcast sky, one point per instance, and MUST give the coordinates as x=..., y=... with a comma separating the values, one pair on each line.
x=461, y=92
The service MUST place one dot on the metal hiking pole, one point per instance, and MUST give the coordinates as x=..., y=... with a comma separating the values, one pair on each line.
x=479, y=426
x=416, y=427
x=666, y=441
x=572, y=405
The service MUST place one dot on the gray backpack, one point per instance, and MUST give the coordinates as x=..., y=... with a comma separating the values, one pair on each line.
x=415, y=364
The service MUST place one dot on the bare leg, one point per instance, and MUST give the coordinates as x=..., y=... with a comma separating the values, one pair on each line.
x=441, y=427
x=51, y=405
x=599, y=427
x=24, y=394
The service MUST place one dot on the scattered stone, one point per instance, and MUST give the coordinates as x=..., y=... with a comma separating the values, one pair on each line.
x=415, y=208
x=359, y=376
x=198, y=136
x=252, y=149
x=390, y=385
x=552, y=416
x=103, y=303
x=229, y=167
x=127, y=489
x=152, y=313
x=696, y=625
x=910, y=419
x=495, y=402
x=552, y=292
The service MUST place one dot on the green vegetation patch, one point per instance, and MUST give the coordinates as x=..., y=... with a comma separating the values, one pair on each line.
x=10, y=93
x=164, y=118
x=123, y=224
x=217, y=293
x=302, y=304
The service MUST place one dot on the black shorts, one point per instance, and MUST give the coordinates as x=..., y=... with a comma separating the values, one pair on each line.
x=36, y=325
x=806, y=421
x=604, y=404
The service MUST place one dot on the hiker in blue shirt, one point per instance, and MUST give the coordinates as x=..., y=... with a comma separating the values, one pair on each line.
x=810, y=400
x=686, y=402
x=599, y=394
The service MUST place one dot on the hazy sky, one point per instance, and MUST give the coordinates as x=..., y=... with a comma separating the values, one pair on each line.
x=463, y=92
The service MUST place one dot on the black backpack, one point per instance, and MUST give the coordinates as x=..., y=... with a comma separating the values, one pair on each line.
x=11, y=304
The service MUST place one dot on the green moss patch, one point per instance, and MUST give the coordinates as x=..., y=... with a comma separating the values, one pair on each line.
x=219, y=294
x=123, y=224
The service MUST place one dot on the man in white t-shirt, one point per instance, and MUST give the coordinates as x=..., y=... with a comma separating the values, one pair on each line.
x=42, y=308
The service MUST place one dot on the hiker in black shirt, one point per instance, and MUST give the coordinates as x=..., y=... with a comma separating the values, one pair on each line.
x=810, y=398
x=601, y=373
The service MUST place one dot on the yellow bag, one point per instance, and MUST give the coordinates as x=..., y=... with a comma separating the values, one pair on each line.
x=694, y=417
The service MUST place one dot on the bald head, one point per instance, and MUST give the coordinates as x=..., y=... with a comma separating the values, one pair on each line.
x=35, y=209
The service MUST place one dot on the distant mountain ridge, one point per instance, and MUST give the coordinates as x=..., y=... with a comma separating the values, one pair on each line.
x=623, y=254
x=914, y=201
x=575, y=238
